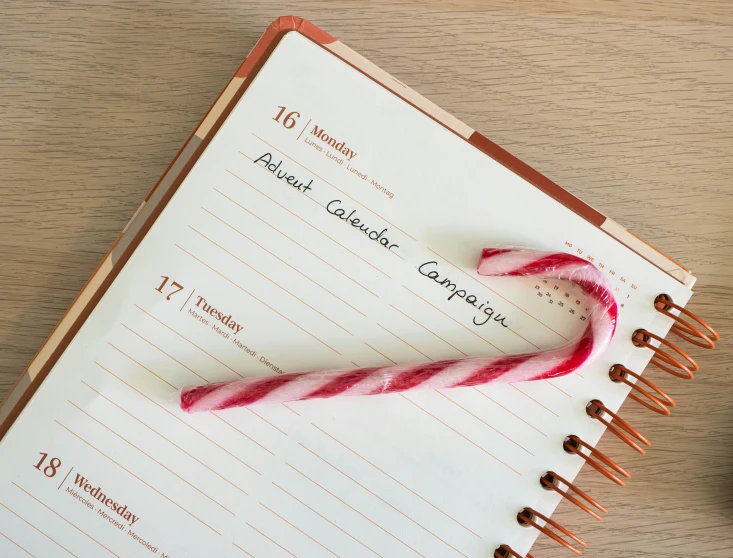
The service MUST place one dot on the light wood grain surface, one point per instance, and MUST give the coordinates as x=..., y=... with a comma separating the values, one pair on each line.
x=626, y=104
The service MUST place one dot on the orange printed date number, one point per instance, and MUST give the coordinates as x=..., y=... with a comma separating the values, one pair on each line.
x=50, y=469
x=174, y=288
x=290, y=118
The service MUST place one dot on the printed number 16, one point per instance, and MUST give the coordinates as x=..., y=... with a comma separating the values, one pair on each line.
x=177, y=287
x=289, y=120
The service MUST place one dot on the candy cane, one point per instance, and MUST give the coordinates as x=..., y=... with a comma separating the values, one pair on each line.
x=510, y=262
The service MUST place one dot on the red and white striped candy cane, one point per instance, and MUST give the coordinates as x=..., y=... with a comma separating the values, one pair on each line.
x=447, y=373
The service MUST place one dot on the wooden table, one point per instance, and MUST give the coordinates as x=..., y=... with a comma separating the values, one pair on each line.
x=626, y=104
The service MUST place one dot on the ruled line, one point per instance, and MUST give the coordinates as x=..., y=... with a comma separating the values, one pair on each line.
x=354, y=509
x=558, y=389
x=240, y=548
x=332, y=186
x=456, y=321
x=134, y=475
x=298, y=529
x=515, y=332
x=394, y=479
x=267, y=421
x=16, y=544
x=429, y=331
x=242, y=433
x=376, y=351
x=326, y=519
x=141, y=365
x=49, y=508
x=510, y=412
x=270, y=280
x=187, y=339
x=147, y=369
x=269, y=539
x=289, y=409
x=307, y=223
x=162, y=351
x=283, y=261
x=533, y=399
x=461, y=435
x=37, y=529
x=281, y=179
x=313, y=200
x=484, y=422
x=405, y=342
x=178, y=419
x=258, y=300
x=381, y=499
x=150, y=457
x=295, y=242
x=500, y=296
x=164, y=437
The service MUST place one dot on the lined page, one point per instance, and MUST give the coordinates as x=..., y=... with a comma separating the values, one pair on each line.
x=328, y=225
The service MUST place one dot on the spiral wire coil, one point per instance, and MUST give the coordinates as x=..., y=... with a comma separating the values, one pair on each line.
x=669, y=358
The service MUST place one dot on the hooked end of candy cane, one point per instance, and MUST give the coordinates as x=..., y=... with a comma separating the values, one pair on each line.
x=528, y=261
x=541, y=264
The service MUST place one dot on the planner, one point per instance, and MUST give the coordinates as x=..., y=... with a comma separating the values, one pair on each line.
x=323, y=215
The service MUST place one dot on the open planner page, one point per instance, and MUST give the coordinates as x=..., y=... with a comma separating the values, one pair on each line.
x=328, y=224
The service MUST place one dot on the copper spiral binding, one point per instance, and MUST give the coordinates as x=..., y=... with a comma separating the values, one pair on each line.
x=596, y=459
x=617, y=425
x=505, y=551
x=683, y=328
x=527, y=517
x=662, y=359
x=659, y=402
x=652, y=398
x=548, y=482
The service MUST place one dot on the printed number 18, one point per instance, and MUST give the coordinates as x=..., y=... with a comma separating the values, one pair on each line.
x=50, y=469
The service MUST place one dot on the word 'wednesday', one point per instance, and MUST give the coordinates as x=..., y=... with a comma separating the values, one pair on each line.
x=96, y=492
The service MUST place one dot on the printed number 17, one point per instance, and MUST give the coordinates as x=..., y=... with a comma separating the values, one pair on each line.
x=177, y=287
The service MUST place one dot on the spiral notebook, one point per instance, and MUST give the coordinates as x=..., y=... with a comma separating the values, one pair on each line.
x=288, y=234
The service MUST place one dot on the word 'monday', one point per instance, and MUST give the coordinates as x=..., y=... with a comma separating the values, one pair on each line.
x=339, y=146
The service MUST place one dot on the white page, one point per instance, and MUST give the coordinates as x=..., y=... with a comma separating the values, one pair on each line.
x=432, y=474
